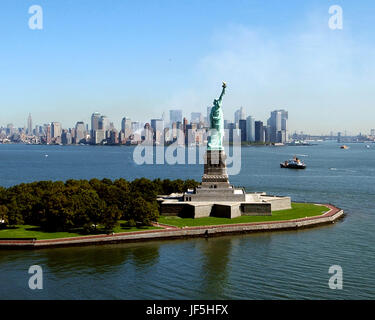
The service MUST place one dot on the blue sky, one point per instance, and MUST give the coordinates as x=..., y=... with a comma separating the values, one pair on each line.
x=140, y=58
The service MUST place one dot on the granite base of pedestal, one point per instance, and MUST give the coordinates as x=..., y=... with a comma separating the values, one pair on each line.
x=253, y=205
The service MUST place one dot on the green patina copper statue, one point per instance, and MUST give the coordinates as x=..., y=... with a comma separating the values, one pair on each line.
x=215, y=140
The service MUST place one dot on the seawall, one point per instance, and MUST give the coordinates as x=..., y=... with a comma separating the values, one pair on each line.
x=170, y=232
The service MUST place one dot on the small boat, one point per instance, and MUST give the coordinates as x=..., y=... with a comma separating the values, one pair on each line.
x=295, y=163
x=344, y=147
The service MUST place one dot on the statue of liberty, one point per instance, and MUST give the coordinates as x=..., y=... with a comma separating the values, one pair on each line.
x=215, y=140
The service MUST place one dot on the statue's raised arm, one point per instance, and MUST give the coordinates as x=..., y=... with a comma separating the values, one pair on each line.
x=222, y=92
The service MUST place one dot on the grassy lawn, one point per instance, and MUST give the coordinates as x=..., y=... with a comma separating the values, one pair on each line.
x=27, y=231
x=299, y=210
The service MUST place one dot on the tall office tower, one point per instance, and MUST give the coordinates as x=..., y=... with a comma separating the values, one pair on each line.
x=100, y=136
x=184, y=124
x=175, y=116
x=126, y=127
x=239, y=115
x=113, y=136
x=243, y=127
x=196, y=117
x=250, y=129
x=10, y=129
x=267, y=133
x=104, y=123
x=147, y=134
x=80, y=135
x=72, y=132
x=259, y=132
x=189, y=135
x=157, y=126
x=56, y=130
x=167, y=135
x=95, y=119
x=278, y=126
x=47, y=130
x=173, y=132
x=231, y=127
x=372, y=132
x=29, y=125
x=66, y=137
x=180, y=133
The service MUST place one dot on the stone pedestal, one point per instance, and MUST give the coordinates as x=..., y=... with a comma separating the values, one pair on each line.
x=215, y=170
x=215, y=184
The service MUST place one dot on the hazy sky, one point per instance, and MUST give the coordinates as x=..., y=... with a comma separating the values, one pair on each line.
x=140, y=58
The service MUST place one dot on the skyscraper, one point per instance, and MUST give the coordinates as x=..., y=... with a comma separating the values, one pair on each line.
x=66, y=137
x=104, y=123
x=147, y=134
x=278, y=126
x=56, y=130
x=250, y=129
x=239, y=115
x=157, y=126
x=95, y=119
x=259, y=132
x=243, y=127
x=29, y=125
x=80, y=132
x=126, y=127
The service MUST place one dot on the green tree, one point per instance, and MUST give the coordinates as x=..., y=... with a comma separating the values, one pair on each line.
x=110, y=218
x=142, y=211
x=4, y=215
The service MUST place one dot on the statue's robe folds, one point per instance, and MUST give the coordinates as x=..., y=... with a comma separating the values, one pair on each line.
x=215, y=139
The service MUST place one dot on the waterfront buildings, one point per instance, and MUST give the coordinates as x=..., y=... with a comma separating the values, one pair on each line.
x=195, y=131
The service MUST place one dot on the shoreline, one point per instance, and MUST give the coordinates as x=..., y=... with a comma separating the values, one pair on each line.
x=172, y=232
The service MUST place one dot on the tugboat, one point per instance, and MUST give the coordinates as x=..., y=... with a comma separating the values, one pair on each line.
x=344, y=147
x=295, y=163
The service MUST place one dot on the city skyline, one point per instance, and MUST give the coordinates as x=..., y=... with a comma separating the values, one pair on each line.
x=126, y=123
x=101, y=130
x=140, y=66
